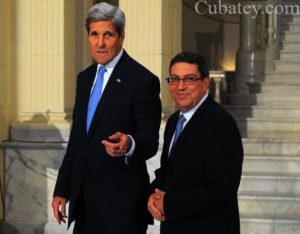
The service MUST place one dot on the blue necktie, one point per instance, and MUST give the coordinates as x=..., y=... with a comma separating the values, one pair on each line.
x=95, y=97
x=179, y=126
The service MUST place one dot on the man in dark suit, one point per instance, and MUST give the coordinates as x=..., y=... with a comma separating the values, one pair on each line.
x=115, y=129
x=201, y=162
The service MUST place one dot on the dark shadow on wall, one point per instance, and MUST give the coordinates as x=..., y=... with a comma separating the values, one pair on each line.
x=113, y=2
x=211, y=46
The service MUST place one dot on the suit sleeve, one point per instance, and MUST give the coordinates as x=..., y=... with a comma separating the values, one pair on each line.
x=157, y=182
x=217, y=191
x=147, y=113
x=63, y=182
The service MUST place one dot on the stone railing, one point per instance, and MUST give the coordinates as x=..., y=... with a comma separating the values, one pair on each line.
x=221, y=85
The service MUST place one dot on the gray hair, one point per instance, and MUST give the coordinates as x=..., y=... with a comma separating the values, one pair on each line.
x=105, y=12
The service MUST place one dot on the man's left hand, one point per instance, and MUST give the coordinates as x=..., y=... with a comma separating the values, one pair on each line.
x=156, y=205
x=117, y=144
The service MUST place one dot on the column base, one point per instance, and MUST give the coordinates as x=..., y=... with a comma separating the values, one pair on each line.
x=249, y=70
x=29, y=228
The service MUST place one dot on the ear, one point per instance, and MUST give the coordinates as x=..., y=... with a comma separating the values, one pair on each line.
x=122, y=35
x=206, y=82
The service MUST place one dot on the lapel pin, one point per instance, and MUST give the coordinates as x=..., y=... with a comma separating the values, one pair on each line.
x=119, y=80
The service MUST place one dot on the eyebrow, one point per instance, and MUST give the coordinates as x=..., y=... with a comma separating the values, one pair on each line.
x=190, y=74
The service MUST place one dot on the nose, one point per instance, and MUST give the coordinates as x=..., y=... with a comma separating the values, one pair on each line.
x=100, y=42
x=181, y=85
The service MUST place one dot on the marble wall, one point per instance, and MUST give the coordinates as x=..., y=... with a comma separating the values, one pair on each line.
x=30, y=178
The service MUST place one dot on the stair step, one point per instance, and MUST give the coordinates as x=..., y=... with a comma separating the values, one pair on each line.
x=263, y=99
x=283, y=66
x=274, y=88
x=290, y=27
x=290, y=36
x=270, y=182
x=271, y=164
x=269, y=134
x=264, y=205
x=289, y=45
x=282, y=77
x=269, y=226
x=290, y=147
x=256, y=124
x=291, y=19
x=290, y=55
x=274, y=112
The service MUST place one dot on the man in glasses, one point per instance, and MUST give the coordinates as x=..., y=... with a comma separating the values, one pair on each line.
x=195, y=190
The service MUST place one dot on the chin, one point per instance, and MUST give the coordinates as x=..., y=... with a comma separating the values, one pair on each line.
x=184, y=107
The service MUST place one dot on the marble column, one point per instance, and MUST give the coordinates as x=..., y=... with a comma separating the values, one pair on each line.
x=245, y=61
x=153, y=37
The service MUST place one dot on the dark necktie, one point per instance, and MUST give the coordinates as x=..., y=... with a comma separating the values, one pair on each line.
x=95, y=97
x=178, y=130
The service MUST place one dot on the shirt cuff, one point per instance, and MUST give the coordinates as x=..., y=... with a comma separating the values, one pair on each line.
x=132, y=148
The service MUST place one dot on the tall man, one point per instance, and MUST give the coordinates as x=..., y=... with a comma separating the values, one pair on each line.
x=201, y=162
x=116, y=121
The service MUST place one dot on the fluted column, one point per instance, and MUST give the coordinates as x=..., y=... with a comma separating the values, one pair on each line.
x=153, y=36
x=45, y=59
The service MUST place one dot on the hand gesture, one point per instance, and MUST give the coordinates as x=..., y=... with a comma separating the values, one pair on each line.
x=117, y=145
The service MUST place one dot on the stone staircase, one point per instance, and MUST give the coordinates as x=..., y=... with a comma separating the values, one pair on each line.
x=269, y=120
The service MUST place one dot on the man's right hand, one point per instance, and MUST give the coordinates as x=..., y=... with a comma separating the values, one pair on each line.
x=59, y=209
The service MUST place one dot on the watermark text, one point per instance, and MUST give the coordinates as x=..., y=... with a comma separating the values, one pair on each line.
x=203, y=7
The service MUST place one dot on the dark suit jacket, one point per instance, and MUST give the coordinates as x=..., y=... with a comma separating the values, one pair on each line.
x=115, y=192
x=202, y=174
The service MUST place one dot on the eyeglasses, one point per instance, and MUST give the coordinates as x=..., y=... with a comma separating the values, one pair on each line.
x=189, y=80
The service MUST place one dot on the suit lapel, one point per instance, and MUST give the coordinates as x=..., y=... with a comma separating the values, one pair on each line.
x=197, y=119
x=169, y=136
x=112, y=88
x=88, y=81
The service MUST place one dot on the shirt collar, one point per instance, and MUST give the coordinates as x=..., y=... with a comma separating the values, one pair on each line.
x=188, y=115
x=111, y=65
